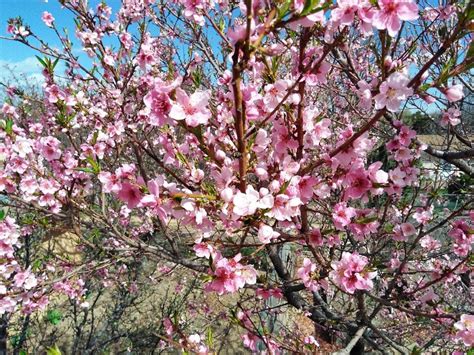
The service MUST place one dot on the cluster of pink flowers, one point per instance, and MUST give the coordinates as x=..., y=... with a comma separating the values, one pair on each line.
x=228, y=275
x=352, y=273
x=388, y=15
x=124, y=183
x=463, y=235
x=267, y=293
x=18, y=286
x=393, y=92
x=451, y=117
x=465, y=329
x=309, y=275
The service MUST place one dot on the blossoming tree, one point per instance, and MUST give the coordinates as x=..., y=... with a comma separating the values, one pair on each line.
x=260, y=144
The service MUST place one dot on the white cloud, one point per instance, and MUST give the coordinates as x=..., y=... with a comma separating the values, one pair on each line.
x=28, y=69
x=26, y=65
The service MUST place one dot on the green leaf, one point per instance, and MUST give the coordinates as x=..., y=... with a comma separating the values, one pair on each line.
x=283, y=9
x=55, y=63
x=2, y=215
x=308, y=7
x=444, y=76
x=9, y=126
x=424, y=87
x=42, y=61
x=54, y=316
x=221, y=24
x=54, y=350
x=86, y=170
x=389, y=228
x=94, y=164
x=470, y=351
x=36, y=264
x=469, y=17
x=366, y=220
x=181, y=158
x=209, y=340
x=197, y=78
x=94, y=138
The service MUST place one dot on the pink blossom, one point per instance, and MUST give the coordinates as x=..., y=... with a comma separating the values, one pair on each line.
x=351, y=273
x=203, y=250
x=229, y=275
x=266, y=234
x=239, y=30
x=465, y=329
x=192, y=108
x=284, y=207
x=365, y=94
x=275, y=93
x=305, y=186
x=429, y=243
x=307, y=273
x=397, y=176
x=357, y=183
x=246, y=204
x=126, y=171
x=145, y=56
x=342, y=215
x=7, y=304
x=159, y=105
x=152, y=200
x=25, y=280
x=392, y=92
x=126, y=40
x=406, y=135
x=48, y=186
x=193, y=10
x=109, y=181
x=310, y=340
x=402, y=231
x=423, y=216
x=49, y=147
x=29, y=185
x=454, y=93
x=261, y=141
x=250, y=341
x=267, y=293
x=463, y=237
x=130, y=194
x=408, y=229
x=345, y=11
x=364, y=224
x=318, y=75
x=315, y=238
x=451, y=117
x=22, y=31
x=392, y=12
x=18, y=165
x=22, y=146
x=109, y=60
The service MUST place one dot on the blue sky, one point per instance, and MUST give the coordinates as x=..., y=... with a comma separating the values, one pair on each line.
x=30, y=11
x=18, y=56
